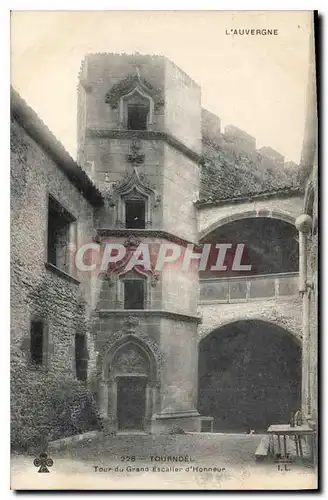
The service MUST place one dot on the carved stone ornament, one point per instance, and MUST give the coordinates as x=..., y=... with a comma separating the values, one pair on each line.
x=127, y=85
x=130, y=361
x=132, y=242
x=135, y=157
x=130, y=324
x=121, y=337
x=135, y=180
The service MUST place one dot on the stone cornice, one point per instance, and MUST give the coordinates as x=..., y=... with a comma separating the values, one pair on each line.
x=283, y=193
x=149, y=312
x=143, y=233
x=149, y=135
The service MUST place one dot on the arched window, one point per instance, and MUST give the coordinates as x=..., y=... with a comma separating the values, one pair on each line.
x=136, y=110
x=134, y=291
x=135, y=210
x=136, y=200
x=136, y=100
x=137, y=118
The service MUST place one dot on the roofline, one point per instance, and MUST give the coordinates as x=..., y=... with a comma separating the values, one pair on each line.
x=282, y=193
x=36, y=129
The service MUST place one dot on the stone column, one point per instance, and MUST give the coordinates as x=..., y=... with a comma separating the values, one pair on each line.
x=149, y=405
x=304, y=224
x=112, y=403
x=103, y=399
x=154, y=398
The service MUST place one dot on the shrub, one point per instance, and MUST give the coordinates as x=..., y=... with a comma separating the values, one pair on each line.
x=47, y=406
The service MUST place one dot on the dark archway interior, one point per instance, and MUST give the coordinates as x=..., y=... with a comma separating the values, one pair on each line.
x=265, y=240
x=249, y=376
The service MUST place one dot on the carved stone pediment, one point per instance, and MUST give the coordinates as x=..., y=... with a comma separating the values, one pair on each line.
x=134, y=181
x=128, y=85
x=123, y=342
x=129, y=360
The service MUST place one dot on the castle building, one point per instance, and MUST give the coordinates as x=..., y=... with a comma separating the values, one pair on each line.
x=164, y=349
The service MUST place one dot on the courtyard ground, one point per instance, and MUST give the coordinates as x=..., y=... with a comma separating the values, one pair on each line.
x=210, y=461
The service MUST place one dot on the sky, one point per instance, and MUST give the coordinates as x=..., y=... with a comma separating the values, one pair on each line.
x=257, y=83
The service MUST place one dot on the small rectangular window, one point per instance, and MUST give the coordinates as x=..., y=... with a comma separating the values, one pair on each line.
x=81, y=357
x=135, y=212
x=137, y=117
x=37, y=342
x=59, y=222
x=134, y=294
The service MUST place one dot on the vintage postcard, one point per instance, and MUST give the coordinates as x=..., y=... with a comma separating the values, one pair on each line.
x=164, y=231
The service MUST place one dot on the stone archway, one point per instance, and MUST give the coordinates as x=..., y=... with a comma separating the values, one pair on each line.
x=249, y=376
x=129, y=384
x=248, y=214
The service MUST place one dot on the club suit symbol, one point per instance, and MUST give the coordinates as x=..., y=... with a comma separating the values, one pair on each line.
x=43, y=462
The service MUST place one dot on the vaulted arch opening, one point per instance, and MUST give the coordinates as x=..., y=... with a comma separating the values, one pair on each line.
x=249, y=376
x=270, y=246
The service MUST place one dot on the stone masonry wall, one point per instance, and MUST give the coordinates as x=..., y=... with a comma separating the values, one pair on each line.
x=181, y=188
x=180, y=366
x=182, y=107
x=37, y=291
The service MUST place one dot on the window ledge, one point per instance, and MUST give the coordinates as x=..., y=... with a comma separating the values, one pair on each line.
x=61, y=273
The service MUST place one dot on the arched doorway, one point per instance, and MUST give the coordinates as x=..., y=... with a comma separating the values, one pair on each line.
x=249, y=376
x=130, y=380
x=130, y=367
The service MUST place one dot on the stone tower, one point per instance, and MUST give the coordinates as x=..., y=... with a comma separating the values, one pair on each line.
x=139, y=138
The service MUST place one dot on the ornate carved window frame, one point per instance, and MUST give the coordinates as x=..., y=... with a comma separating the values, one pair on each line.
x=129, y=87
x=132, y=275
x=136, y=96
x=135, y=186
x=134, y=194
